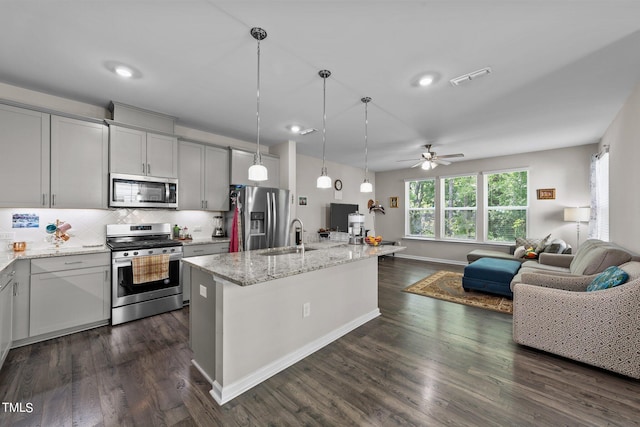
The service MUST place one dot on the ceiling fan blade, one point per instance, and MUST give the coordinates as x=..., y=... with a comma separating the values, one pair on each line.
x=418, y=164
x=448, y=156
x=441, y=162
x=406, y=160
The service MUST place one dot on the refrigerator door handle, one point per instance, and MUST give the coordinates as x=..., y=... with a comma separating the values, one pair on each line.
x=269, y=219
x=275, y=218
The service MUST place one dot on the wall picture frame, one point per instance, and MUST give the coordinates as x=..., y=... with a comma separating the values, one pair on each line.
x=393, y=202
x=546, y=193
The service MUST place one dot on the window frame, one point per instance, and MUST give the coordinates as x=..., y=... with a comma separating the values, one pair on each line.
x=443, y=208
x=487, y=208
x=408, y=209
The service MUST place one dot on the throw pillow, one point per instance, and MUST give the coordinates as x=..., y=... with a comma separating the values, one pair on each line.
x=519, y=252
x=556, y=246
x=527, y=242
x=542, y=244
x=609, y=278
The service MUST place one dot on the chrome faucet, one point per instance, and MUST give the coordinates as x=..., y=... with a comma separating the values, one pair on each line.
x=301, y=245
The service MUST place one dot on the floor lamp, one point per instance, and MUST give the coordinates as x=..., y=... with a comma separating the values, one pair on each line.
x=577, y=215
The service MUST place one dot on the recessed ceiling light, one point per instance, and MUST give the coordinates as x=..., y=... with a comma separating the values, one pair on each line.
x=294, y=128
x=308, y=131
x=123, y=71
x=425, y=80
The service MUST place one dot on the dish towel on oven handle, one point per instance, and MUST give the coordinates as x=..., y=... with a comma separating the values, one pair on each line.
x=150, y=268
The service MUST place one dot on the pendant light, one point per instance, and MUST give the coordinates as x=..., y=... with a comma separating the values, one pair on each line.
x=324, y=181
x=258, y=172
x=366, y=186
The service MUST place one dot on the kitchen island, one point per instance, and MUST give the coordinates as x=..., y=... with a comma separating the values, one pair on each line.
x=255, y=313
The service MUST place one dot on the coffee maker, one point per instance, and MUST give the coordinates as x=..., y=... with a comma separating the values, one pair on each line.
x=356, y=229
x=218, y=226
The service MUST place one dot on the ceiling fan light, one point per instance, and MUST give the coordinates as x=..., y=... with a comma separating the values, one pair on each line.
x=366, y=187
x=428, y=165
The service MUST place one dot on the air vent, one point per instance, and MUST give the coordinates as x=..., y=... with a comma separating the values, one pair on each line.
x=457, y=81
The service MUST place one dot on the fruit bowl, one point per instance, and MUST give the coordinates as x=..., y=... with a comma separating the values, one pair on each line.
x=373, y=241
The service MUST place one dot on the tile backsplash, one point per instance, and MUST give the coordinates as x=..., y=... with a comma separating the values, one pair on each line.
x=88, y=225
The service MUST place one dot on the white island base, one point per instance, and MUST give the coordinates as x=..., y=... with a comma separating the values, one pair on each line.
x=242, y=335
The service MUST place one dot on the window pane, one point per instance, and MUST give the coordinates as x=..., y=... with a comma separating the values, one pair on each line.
x=507, y=189
x=460, y=224
x=422, y=194
x=460, y=192
x=422, y=223
x=506, y=225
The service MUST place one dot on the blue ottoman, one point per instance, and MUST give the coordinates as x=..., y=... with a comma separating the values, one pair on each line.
x=490, y=275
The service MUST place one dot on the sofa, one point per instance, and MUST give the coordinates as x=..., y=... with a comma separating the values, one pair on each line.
x=517, y=252
x=593, y=257
x=554, y=313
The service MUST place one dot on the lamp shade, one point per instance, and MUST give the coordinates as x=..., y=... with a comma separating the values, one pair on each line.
x=577, y=214
x=366, y=187
x=323, y=181
x=258, y=172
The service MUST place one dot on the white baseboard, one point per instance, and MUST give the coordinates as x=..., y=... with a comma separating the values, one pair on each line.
x=222, y=394
x=430, y=259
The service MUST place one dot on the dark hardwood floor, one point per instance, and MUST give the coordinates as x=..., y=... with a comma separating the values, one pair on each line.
x=424, y=362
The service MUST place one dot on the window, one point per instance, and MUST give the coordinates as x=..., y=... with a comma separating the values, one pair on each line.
x=421, y=208
x=599, y=226
x=507, y=205
x=459, y=208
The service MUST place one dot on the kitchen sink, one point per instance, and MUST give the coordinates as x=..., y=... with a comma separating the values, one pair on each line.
x=284, y=251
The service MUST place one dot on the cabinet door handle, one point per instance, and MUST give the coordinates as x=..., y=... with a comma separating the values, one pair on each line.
x=149, y=168
x=143, y=168
x=44, y=195
x=73, y=262
x=53, y=200
x=198, y=250
x=106, y=275
x=206, y=204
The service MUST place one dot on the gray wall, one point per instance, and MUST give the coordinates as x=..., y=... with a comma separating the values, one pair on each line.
x=624, y=174
x=566, y=170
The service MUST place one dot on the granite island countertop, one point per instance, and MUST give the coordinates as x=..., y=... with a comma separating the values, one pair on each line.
x=262, y=265
x=7, y=258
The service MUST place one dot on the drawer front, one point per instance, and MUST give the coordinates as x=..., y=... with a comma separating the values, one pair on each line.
x=71, y=262
x=207, y=249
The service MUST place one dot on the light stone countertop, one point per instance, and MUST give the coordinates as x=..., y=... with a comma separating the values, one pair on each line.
x=7, y=258
x=205, y=241
x=252, y=267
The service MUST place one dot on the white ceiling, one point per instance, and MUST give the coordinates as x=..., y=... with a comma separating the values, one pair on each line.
x=561, y=69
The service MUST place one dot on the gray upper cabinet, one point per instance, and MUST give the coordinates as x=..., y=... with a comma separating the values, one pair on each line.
x=79, y=164
x=24, y=163
x=137, y=152
x=241, y=161
x=203, y=177
x=57, y=161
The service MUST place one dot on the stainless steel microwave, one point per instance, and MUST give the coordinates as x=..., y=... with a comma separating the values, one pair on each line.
x=137, y=191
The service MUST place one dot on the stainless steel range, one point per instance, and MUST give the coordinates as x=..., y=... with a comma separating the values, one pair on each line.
x=145, y=271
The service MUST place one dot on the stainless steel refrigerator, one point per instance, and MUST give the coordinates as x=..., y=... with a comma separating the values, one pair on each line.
x=263, y=216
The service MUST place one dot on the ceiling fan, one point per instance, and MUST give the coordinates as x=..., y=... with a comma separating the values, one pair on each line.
x=430, y=160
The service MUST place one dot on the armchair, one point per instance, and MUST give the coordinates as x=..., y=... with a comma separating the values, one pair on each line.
x=555, y=313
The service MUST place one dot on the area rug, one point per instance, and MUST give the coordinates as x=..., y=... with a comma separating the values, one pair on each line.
x=447, y=285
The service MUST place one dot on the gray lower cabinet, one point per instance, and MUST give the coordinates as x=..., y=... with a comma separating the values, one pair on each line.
x=198, y=250
x=68, y=293
x=6, y=311
x=21, y=294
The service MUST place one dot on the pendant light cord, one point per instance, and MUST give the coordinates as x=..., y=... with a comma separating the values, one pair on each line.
x=324, y=119
x=258, y=108
x=366, y=137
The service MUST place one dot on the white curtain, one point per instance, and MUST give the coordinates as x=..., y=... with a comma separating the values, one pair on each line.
x=599, y=222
